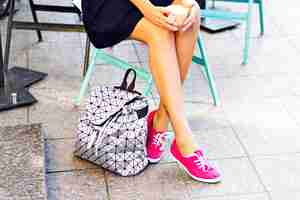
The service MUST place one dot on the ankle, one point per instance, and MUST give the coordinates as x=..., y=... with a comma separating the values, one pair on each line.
x=160, y=122
x=186, y=146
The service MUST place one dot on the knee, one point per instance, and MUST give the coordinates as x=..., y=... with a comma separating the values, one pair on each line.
x=161, y=36
x=195, y=27
x=198, y=14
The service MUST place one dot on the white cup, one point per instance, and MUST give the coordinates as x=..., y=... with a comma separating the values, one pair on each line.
x=180, y=13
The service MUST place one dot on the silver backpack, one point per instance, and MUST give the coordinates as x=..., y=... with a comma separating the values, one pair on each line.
x=112, y=131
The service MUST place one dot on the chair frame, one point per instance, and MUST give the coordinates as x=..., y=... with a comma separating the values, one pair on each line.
x=246, y=16
x=199, y=58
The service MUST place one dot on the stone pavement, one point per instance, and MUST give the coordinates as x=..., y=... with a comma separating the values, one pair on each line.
x=22, y=163
x=254, y=136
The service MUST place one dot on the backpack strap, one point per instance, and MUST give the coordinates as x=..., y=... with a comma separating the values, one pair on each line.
x=132, y=83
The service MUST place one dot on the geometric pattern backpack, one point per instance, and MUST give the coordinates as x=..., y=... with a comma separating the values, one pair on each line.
x=112, y=130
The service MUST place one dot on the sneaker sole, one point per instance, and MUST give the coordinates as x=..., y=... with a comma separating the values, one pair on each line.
x=216, y=180
x=152, y=160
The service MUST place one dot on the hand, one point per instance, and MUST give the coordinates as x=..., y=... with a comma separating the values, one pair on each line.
x=161, y=16
x=180, y=13
x=193, y=14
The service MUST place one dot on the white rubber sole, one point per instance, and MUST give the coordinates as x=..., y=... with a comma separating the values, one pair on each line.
x=216, y=180
x=151, y=160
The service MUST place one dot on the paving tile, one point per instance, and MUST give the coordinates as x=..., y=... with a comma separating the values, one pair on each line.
x=22, y=163
x=291, y=195
x=19, y=58
x=230, y=48
x=238, y=178
x=142, y=52
x=263, y=126
x=215, y=142
x=13, y=117
x=77, y=185
x=57, y=58
x=294, y=41
x=197, y=90
x=59, y=37
x=21, y=39
x=292, y=106
x=60, y=87
x=219, y=143
x=279, y=173
x=59, y=156
x=125, y=52
x=257, y=87
x=107, y=75
x=232, y=67
x=261, y=196
x=59, y=119
x=267, y=47
x=271, y=57
x=205, y=116
x=160, y=181
x=272, y=28
x=289, y=21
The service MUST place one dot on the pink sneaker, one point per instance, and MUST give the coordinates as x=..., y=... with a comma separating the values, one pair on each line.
x=196, y=165
x=155, y=140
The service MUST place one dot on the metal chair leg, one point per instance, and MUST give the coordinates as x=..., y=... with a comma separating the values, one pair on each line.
x=8, y=35
x=149, y=87
x=86, y=55
x=248, y=33
x=210, y=79
x=261, y=17
x=35, y=19
x=87, y=78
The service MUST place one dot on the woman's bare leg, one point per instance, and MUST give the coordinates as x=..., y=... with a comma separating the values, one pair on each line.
x=185, y=45
x=165, y=70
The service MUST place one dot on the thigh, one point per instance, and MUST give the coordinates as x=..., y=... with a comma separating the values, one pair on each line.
x=146, y=31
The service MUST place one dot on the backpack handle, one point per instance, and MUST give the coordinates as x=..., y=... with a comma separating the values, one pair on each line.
x=132, y=83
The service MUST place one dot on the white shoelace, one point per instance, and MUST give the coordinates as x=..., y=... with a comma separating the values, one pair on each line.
x=159, y=139
x=202, y=162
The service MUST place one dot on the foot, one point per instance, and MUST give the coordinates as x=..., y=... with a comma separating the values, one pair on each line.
x=196, y=165
x=155, y=140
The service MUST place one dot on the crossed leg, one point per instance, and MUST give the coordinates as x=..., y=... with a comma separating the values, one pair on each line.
x=185, y=45
x=170, y=55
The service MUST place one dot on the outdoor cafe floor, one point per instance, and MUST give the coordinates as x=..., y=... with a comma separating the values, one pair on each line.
x=254, y=136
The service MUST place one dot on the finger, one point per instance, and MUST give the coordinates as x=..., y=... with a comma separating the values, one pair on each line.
x=188, y=20
x=191, y=17
x=168, y=20
x=168, y=26
x=187, y=26
x=168, y=15
x=172, y=20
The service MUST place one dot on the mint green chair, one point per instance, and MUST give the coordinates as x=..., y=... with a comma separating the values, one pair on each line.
x=246, y=16
x=200, y=58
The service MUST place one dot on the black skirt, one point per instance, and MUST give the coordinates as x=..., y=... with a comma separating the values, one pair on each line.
x=108, y=22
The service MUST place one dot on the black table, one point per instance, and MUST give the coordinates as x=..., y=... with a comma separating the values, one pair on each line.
x=18, y=79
